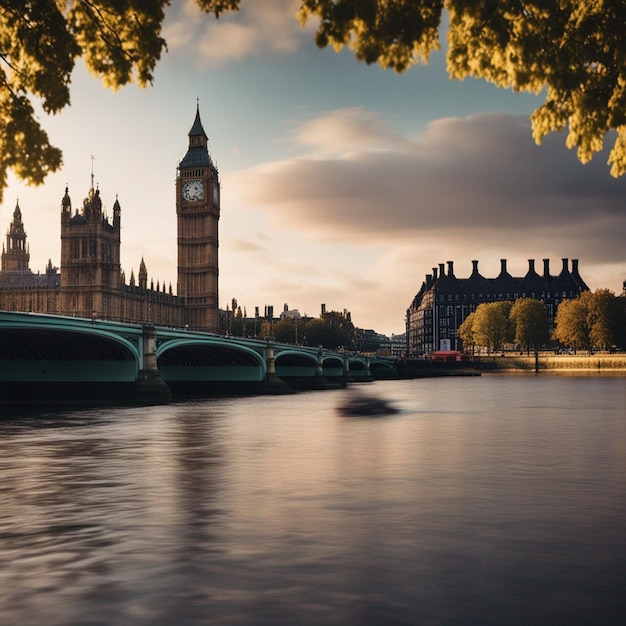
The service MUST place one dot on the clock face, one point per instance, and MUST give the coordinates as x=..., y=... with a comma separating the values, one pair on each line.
x=193, y=190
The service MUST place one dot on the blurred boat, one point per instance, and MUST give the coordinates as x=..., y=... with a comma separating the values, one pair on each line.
x=358, y=404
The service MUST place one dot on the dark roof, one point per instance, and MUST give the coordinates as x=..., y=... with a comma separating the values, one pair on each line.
x=197, y=154
x=504, y=282
x=78, y=219
x=197, y=129
x=28, y=280
x=476, y=283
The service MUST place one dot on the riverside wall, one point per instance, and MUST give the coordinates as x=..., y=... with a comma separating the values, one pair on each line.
x=550, y=362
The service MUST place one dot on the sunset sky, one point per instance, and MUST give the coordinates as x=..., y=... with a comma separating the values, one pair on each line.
x=342, y=184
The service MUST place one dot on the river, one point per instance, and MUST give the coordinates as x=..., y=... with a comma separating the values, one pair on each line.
x=498, y=499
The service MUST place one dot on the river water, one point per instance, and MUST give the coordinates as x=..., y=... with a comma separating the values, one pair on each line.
x=488, y=500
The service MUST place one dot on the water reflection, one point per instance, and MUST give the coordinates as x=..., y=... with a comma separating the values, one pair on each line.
x=492, y=500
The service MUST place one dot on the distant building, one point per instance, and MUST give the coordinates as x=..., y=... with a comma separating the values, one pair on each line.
x=289, y=314
x=444, y=301
x=91, y=283
x=394, y=346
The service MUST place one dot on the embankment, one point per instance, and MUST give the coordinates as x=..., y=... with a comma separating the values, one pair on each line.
x=609, y=363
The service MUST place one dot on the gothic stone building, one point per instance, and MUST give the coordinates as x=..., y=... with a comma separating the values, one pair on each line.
x=444, y=301
x=91, y=283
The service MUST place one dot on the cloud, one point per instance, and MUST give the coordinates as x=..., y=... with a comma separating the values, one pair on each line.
x=344, y=132
x=257, y=28
x=465, y=183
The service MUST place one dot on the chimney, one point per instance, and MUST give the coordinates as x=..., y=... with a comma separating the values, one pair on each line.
x=575, y=266
x=435, y=273
x=502, y=266
x=429, y=281
x=451, y=269
x=546, y=268
x=474, y=267
x=442, y=272
x=531, y=266
x=564, y=270
x=323, y=309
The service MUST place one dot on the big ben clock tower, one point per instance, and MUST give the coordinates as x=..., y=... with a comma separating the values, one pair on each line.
x=198, y=213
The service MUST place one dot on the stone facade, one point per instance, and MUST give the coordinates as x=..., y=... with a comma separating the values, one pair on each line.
x=444, y=301
x=91, y=283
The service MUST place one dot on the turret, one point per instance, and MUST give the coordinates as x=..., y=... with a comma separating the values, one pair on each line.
x=66, y=202
x=15, y=258
x=143, y=275
x=117, y=213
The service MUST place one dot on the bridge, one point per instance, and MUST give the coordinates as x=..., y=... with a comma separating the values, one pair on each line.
x=56, y=359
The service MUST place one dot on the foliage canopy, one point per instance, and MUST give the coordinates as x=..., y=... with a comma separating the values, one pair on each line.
x=593, y=319
x=490, y=325
x=572, y=51
x=530, y=320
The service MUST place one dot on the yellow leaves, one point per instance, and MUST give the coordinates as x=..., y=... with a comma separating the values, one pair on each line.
x=617, y=156
x=574, y=50
x=120, y=44
x=395, y=34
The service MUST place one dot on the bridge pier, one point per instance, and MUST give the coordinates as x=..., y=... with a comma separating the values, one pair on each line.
x=346, y=369
x=368, y=371
x=272, y=383
x=150, y=388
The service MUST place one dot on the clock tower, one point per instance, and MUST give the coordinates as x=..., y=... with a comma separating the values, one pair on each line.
x=198, y=213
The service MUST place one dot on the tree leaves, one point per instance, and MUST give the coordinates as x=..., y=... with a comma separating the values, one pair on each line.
x=530, y=321
x=39, y=44
x=573, y=51
x=593, y=319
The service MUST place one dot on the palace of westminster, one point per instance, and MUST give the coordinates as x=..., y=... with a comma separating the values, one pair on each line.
x=91, y=283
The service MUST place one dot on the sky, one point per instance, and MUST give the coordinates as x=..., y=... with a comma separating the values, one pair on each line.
x=342, y=184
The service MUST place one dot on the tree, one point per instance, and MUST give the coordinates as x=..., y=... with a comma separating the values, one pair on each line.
x=530, y=321
x=342, y=331
x=466, y=333
x=332, y=330
x=265, y=330
x=491, y=327
x=237, y=323
x=573, y=51
x=39, y=44
x=593, y=319
x=604, y=313
x=285, y=331
x=318, y=333
x=572, y=323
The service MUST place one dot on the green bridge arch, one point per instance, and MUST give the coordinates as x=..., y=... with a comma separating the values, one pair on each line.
x=64, y=357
